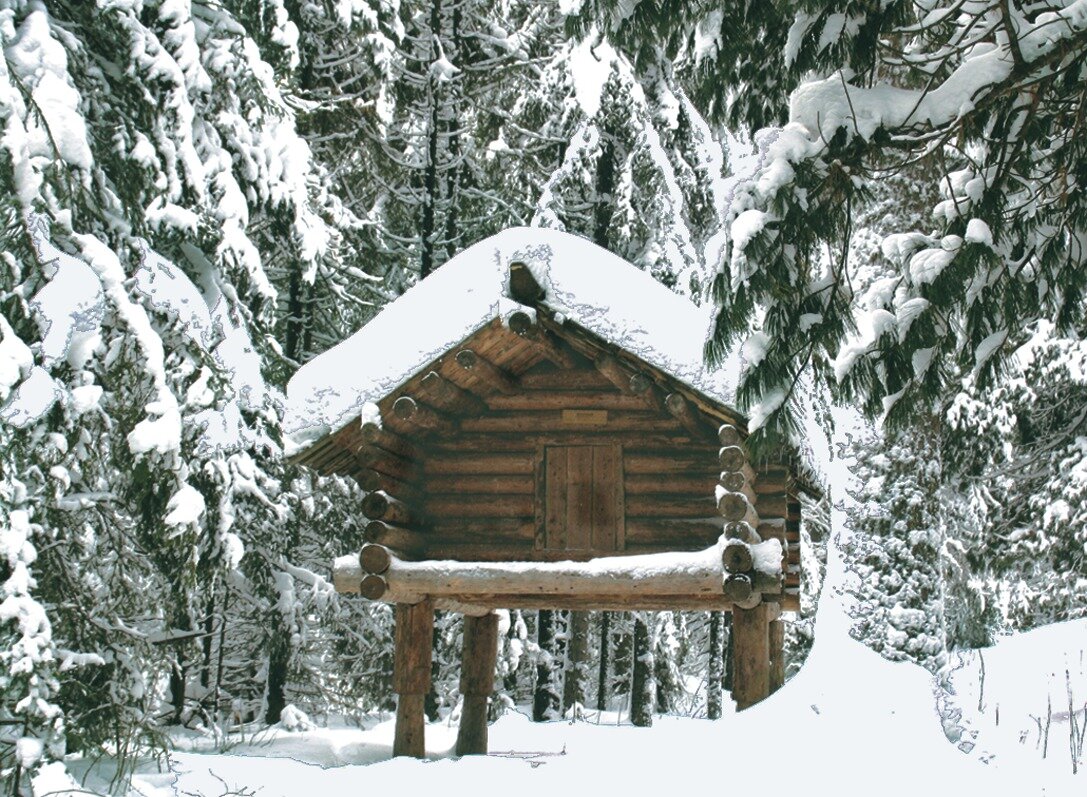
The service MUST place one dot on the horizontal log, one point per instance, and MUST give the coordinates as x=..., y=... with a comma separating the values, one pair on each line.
x=397, y=538
x=611, y=370
x=634, y=441
x=737, y=587
x=767, y=583
x=551, y=421
x=375, y=435
x=647, y=484
x=736, y=507
x=604, y=602
x=382, y=506
x=374, y=458
x=736, y=557
x=682, y=410
x=479, y=463
x=491, y=483
x=374, y=559
x=371, y=480
x=577, y=379
x=475, y=506
x=729, y=435
x=734, y=458
x=449, y=397
x=698, y=573
x=372, y=586
x=420, y=416
x=659, y=464
x=446, y=531
x=567, y=399
x=700, y=506
x=649, y=531
x=486, y=372
x=771, y=506
x=739, y=530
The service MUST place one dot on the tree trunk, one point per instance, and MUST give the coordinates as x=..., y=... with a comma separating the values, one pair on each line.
x=602, y=676
x=432, y=702
x=545, y=702
x=729, y=652
x=279, y=657
x=642, y=685
x=577, y=661
x=715, y=668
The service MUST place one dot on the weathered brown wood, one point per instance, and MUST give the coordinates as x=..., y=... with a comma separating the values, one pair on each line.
x=447, y=531
x=486, y=372
x=737, y=587
x=772, y=505
x=555, y=465
x=525, y=440
x=566, y=399
x=637, y=462
x=738, y=530
x=671, y=533
x=579, y=497
x=413, y=634
x=554, y=420
x=777, y=655
x=374, y=458
x=611, y=370
x=572, y=379
x=678, y=506
x=479, y=463
x=736, y=557
x=397, y=538
x=766, y=583
x=736, y=507
x=524, y=287
x=371, y=480
x=372, y=586
x=751, y=659
x=466, y=505
x=382, y=506
x=478, y=660
x=646, y=391
x=421, y=416
x=384, y=438
x=729, y=435
x=491, y=483
x=524, y=325
x=450, y=397
x=608, y=499
x=732, y=458
x=648, y=484
x=681, y=410
x=374, y=559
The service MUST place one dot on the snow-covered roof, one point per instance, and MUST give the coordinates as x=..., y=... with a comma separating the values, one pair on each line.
x=583, y=282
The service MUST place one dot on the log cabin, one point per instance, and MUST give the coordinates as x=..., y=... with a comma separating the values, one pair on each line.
x=534, y=427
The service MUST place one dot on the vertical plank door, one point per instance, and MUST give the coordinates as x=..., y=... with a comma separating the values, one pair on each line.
x=583, y=498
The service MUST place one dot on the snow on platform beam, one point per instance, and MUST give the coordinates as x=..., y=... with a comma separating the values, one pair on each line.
x=677, y=581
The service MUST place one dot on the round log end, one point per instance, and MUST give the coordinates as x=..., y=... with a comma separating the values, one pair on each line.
x=733, y=506
x=675, y=402
x=750, y=602
x=640, y=383
x=740, y=530
x=736, y=557
x=732, y=458
x=375, y=559
x=375, y=505
x=405, y=407
x=370, y=432
x=733, y=481
x=466, y=359
x=737, y=587
x=373, y=586
x=522, y=323
x=729, y=435
x=368, y=480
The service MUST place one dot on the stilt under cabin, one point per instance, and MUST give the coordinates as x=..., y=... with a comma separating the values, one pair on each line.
x=536, y=430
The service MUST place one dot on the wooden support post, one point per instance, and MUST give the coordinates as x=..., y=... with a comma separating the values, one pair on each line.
x=751, y=667
x=487, y=373
x=777, y=655
x=476, y=682
x=411, y=675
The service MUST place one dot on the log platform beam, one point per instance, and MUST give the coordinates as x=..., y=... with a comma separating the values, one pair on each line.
x=413, y=637
x=479, y=657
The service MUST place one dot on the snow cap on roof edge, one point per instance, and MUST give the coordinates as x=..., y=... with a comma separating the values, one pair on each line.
x=585, y=283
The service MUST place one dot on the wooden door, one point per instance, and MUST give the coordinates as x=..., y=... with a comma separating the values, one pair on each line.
x=583, y=498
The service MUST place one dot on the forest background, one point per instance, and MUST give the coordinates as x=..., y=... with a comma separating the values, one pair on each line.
x=198, y=197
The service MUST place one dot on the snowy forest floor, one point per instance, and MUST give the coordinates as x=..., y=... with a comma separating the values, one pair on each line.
x=850, y=722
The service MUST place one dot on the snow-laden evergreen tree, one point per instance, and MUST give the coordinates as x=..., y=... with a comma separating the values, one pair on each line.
x=147, y=152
